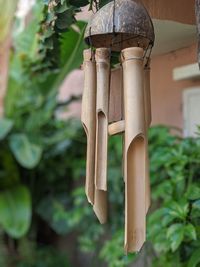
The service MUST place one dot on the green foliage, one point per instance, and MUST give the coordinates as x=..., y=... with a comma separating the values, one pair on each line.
x=31, y=256
x=113, y=252
x=26, y=153
x=103, y=2
x=31, y=133
x=5, y=127
x=6, y=16
x=58, y=16
x=195, y=259
x=71, y=51
x=15, y=211
x=174, y=225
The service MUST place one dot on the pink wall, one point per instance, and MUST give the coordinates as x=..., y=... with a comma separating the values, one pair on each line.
x=166, y=93
x=72, y=86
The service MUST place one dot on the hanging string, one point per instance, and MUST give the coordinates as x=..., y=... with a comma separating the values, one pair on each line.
x=90, y=45
x=149, y=56
x=114, y=5
x=90, y=37
x=114, y=27
x=146, y=51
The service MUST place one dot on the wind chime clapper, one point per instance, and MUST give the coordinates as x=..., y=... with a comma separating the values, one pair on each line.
x=126, y=27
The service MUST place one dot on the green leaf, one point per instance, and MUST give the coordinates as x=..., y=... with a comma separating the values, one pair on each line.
x=79, y=3
x=6, y=16
x=62, y=7
x=175, y=234
x=25, y=152
x=196, y=204
x=104, y=2
x=49, y=208
x=15, y=211
x=179, y=210
x=72, y=46
x=65, y=19
x=190, y=231
x=5, y=127
x=195, y=213
x=195, y=259
x=194, y=192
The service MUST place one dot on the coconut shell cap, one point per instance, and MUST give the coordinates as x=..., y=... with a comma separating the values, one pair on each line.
x=120, y=24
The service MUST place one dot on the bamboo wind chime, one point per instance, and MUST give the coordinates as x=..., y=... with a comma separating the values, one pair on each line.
x=122, y=26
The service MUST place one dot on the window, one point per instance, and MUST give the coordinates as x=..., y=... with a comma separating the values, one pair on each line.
x=191, y=111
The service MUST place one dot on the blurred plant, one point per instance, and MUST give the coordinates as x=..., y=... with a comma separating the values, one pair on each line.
x=175, y=175
x=32, y=138
x=6, y=16
x=58, y=17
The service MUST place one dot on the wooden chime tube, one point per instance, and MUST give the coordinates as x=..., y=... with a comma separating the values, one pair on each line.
x=134, y=151
x=102, y=57
x=147, y=106
x=88, y=118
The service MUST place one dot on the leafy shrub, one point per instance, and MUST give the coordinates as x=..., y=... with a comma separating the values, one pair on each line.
x=175, y=173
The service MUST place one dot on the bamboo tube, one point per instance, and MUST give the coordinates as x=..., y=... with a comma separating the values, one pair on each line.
x=147, y=106
x=101, y=205
x=103, y=75
x=115, y=98
x=88, y=118
x=116, y=127
x=134, y=158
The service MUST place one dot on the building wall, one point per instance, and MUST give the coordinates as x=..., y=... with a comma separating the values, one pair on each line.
x=177, y=10
x=166, y=93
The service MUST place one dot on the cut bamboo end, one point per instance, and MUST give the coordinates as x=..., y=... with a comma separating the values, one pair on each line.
x=132, y=53
x=88, y=118
x=116, y=127
x=102, y=55
x=88, y=55
x=135, y=221
x=101, y=206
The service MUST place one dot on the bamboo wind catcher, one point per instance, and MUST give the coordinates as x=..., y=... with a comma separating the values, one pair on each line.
x=111, y=107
